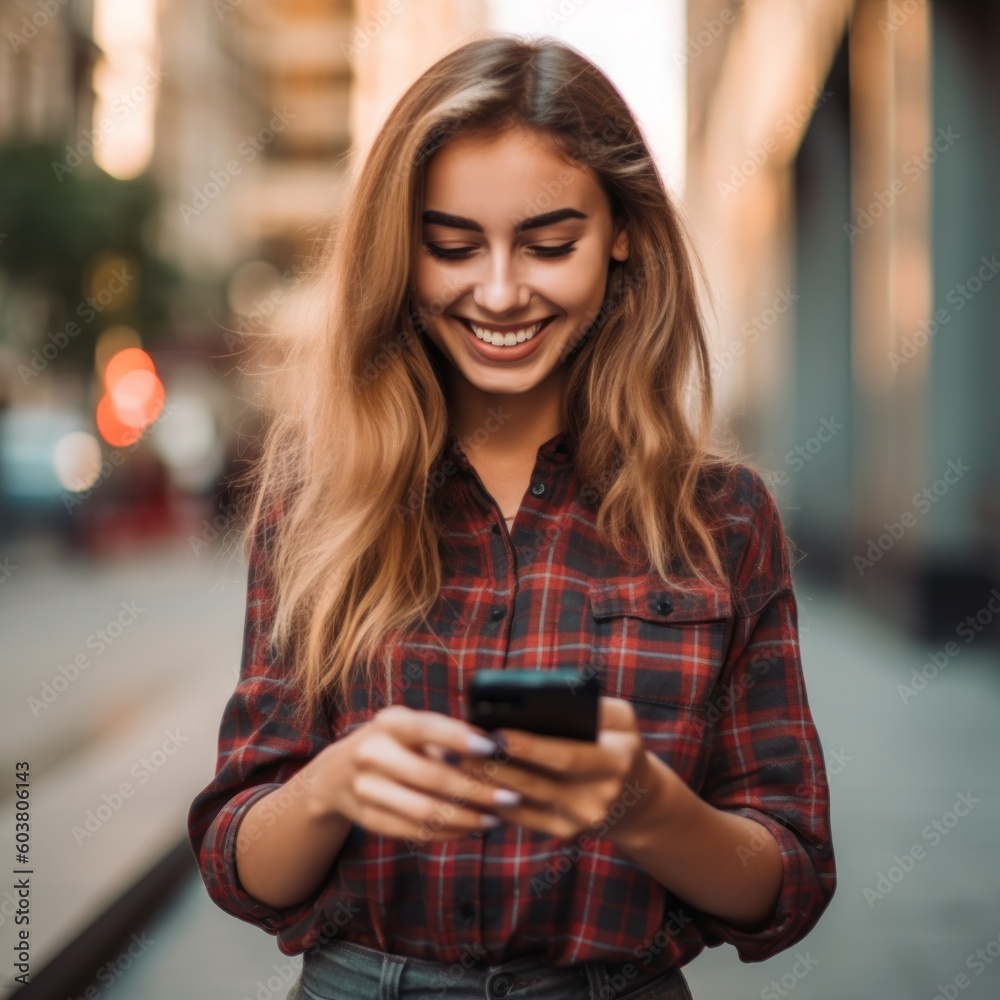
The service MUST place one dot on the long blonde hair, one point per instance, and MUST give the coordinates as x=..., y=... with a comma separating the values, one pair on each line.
x=361, y=418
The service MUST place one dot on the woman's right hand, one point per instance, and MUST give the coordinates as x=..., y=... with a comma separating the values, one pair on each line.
x=380, y=778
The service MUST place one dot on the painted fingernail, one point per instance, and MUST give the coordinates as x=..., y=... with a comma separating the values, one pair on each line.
x=506, y=797
x=481, y=744
x=490, y=821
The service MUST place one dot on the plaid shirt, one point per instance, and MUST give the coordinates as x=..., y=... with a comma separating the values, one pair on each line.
x=715, y=679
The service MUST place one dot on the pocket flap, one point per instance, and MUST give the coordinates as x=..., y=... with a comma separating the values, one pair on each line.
x=653, y=600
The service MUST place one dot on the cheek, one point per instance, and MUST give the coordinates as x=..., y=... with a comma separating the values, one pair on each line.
x=580, y=286
x=431, y=283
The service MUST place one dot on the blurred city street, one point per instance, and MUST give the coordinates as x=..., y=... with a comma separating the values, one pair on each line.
x=920, y=926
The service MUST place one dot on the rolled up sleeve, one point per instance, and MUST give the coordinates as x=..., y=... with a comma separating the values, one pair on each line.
x=261, y=745
x=766, y=758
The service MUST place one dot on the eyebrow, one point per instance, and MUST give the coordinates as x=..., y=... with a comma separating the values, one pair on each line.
x=431, y=217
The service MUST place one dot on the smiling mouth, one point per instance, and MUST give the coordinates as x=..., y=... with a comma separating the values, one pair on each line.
x=505, y=338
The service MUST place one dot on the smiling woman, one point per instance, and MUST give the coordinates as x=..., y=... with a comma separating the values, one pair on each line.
x=506, y=288
x=495, y=453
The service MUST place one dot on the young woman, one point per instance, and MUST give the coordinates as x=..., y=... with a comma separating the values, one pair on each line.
x=486, y=458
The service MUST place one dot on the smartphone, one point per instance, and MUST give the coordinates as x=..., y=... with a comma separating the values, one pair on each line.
x=558, y=702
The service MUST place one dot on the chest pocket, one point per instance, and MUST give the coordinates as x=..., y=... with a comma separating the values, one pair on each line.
x=658, y=645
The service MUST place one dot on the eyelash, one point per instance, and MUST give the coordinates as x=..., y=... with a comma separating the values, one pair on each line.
x=462, y=253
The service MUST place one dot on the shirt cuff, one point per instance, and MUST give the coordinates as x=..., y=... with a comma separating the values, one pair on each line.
x=218, y=862
x=800, y=901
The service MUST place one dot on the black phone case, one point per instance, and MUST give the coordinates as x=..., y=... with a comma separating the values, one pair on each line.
x=559, y=702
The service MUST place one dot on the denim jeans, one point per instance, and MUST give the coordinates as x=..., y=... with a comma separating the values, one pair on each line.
x=343, y=970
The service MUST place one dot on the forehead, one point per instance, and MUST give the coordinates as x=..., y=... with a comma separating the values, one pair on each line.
x=509, y=175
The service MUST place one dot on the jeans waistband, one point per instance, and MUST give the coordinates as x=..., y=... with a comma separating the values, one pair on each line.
x=346, y=969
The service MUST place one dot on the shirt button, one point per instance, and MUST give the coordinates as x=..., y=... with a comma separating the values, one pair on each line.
x=467, y=914
x=500, y=986
x=663, y=605
x=538, y=489
x=498, y=612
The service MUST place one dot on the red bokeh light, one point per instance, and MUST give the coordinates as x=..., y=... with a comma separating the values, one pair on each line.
x=134, y=398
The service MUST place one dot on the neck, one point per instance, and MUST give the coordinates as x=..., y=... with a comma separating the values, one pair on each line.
x=505, y=426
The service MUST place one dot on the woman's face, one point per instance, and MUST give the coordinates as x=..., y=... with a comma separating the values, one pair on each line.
x=514, y=241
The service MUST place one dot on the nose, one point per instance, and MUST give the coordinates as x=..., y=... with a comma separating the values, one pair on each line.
x=501, y=291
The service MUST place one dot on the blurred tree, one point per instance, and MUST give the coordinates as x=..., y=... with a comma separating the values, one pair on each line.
x=64, y=228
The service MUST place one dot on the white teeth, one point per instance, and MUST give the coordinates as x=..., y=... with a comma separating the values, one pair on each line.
x=498, y=339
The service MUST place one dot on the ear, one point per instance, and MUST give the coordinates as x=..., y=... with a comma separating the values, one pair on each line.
x=619, y=249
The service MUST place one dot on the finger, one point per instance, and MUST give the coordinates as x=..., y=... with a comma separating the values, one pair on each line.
x=440, y=780
x=424, y=812
x=615, y=713
x=545, y=790
x=392, y=824
x=543, y=818
x=415, y=728
x=574, y=759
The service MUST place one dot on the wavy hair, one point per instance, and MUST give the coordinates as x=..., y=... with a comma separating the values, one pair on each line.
x=360, y=418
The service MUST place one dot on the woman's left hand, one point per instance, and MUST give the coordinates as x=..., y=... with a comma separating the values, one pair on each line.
x=569, y=787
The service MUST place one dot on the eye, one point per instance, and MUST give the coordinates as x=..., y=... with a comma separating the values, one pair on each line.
x=462, y=253
x=457, y=253
x=559, y=251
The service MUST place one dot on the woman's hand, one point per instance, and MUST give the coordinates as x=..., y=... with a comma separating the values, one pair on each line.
x=381, y=779
x=570, y=787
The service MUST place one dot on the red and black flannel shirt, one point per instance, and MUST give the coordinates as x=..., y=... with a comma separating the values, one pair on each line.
x=715, y=679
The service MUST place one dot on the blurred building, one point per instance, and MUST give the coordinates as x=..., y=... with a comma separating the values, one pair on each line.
x=46, y=69
x=840, y=171
x=253, y=118
x=46, y=93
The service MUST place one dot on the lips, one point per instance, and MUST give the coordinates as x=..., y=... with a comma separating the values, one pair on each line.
x=506, y=354
x=489, y=335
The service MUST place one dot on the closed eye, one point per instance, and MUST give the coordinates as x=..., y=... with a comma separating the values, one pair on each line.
x=462, y=253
